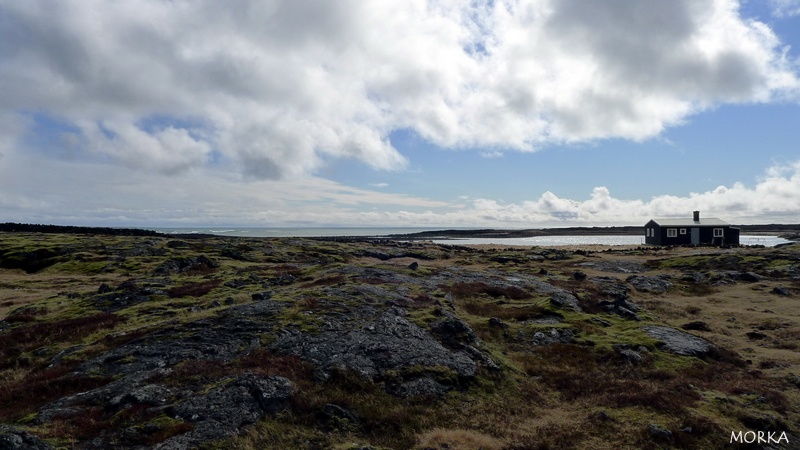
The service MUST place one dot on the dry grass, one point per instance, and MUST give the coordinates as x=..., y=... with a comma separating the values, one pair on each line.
x=40, y=387
x=36, y=334
x=456, y=439
x=501, y=310
x=602, y=378
x=193, y=289
x=476, y=289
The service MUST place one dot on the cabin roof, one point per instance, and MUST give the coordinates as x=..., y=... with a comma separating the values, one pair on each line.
x=705, y=222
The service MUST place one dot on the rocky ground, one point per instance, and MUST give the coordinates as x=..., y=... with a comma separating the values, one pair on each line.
x=110, y=341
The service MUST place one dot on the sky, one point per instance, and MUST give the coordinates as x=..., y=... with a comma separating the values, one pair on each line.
x=428, y=113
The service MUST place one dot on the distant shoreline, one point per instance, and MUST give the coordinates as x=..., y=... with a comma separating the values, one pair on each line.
x=787, y=231
x=791, y=232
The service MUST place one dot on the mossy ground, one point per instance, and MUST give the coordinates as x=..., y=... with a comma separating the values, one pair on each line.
x=570, y=395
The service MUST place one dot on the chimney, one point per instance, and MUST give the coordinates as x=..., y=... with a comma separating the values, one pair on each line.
x=696, y=216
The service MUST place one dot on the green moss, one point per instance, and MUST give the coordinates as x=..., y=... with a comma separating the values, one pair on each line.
x=686, y=262
x=28, y=419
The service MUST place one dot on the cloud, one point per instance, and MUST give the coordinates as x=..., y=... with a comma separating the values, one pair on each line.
x=36, y=189
x=785, y=8
x=275, y=88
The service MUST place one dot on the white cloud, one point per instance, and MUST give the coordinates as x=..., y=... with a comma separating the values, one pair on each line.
x=785, y=8
x=39, y=190
x=281, y=86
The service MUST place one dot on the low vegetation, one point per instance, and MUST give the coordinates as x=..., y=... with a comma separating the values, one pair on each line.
x=140, y=340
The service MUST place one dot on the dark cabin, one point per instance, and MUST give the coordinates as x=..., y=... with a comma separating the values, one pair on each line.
x=697, y=231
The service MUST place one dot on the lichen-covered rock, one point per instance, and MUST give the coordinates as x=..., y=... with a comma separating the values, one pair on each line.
x=565, y=300
x=610, y=287
x=186, y=264
x=372, y=343
x=226, y=409
x=452, y=331
x=554, y=336
x=127, y=294
x=630, y=356
x=680, y=342
x=420, y=387
x=622, y=307
x=657, y=284
x=12, y=438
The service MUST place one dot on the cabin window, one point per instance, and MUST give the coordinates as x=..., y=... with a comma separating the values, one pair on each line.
x=683, y=230
x=672, y=232
x=719, y=232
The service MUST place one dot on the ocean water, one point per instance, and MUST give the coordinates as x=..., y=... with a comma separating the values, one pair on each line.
x=545, y=241
x=554, y=241
x=299, y=231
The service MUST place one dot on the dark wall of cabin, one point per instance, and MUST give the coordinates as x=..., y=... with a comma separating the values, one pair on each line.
x=730, y=235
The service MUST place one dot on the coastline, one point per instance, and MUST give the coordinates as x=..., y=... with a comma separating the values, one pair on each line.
x=787, y=231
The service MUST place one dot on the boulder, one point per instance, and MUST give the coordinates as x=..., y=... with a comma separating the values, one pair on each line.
x=452, y=331
x=622, y=307
x=495, y=322
x=697, y=325
x=749, y=277
x=657, y=284
x=680, y=342
x=660, y=433
x=335, y=416
x=12, y=438
x=554, y=336
x=780, y=290
x=630, y=356
x=565, y=300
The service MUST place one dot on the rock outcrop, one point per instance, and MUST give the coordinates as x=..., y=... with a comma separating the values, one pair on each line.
x=680, y=342
x=378, y=345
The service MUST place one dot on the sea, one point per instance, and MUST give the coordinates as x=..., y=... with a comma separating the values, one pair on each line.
x=543, y=241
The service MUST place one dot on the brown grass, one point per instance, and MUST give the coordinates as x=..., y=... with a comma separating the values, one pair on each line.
x=457, y=439
x=37, y=334
x=475, y=289
x=581, y=373
x=89, y=423
x=40, y=387
x=501, y=311
x=193, y=289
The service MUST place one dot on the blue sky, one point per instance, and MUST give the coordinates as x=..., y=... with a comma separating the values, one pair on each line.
x=353, y=113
